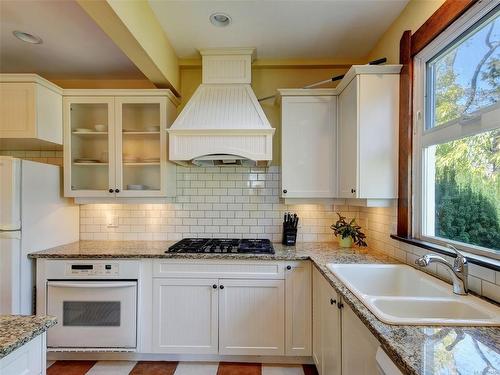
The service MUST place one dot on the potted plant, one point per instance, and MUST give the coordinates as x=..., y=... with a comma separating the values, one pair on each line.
x=348, y=233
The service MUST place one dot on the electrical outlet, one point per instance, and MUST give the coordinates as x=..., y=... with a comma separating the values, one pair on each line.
x=112, y=221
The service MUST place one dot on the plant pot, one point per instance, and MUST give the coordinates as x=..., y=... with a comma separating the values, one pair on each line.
x=345, y=242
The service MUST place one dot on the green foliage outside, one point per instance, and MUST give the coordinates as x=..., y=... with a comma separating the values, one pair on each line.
x=467, y=195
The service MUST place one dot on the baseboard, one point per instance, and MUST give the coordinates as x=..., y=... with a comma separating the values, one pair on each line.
x=103, y=356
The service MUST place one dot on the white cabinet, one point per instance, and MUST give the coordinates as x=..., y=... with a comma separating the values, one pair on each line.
x=359, y=346
x=29, y=359
x=368, y=109
x=342, y=344
x=308, y=148
x=229, y=307
x=298, y=308
x=185, y=316
x=116, y=143
x=30, y=112
x=251, y=317
x=326, y=323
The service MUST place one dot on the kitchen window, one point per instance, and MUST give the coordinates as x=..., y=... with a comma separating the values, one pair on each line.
x=456, y=161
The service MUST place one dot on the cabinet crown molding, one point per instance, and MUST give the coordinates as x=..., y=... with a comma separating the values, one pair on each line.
x=29, y=78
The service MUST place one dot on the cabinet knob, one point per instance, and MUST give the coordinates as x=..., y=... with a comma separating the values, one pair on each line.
x=288, y=268
x=222, y=287
x=117, y=190
x=285, y=191
x=214, y=286
x=333, y=301
x=340, y=305
x=111, y=190
x=353, y=191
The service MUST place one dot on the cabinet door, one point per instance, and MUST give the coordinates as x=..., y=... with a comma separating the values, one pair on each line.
x=298, y=312
x=359, y=346
x=308, y=147
x=17, y=110
x=348, y=141
x=330, y=326
x=141, y=154
x=317, y=350
x=185, y=316
x=89, y=147
x=251, y=317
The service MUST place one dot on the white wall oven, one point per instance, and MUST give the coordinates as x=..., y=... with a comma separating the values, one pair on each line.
x=95, y=304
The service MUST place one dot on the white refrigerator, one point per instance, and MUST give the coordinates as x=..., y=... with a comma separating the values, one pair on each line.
x=33, y=216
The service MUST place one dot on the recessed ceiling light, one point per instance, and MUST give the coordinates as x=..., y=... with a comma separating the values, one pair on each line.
x=26, y=37
x=220, y=19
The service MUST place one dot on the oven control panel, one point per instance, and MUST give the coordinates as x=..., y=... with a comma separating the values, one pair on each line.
x=92, y=269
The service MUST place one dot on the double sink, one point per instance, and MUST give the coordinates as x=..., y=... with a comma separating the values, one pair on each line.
x=400, y=294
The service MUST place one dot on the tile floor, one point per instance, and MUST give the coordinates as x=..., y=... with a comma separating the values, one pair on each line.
x=173, y=368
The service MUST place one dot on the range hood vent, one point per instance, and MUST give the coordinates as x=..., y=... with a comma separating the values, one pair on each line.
x=223, y=123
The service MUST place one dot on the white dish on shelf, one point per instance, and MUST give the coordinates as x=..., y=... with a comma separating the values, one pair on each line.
x=130, y=159
x=151, y=160
x=83, y=130
x=137, y=187
x=100, y=127
x=87, y=160
x=153, y=128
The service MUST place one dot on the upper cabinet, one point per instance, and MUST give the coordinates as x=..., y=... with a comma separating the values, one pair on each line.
x=116, y=143
x=368, y=108
x=343, y=142
x=308, y=147
x=30, y=113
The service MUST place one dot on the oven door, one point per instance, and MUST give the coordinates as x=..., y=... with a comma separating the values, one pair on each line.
x=92, y=314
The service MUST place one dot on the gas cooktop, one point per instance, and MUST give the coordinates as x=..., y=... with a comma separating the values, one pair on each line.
x=222, y=245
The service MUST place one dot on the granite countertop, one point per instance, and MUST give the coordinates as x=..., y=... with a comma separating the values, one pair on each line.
x=17, y=330
x=417, y=350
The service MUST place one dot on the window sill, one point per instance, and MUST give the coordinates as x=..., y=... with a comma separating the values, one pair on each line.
x=471, y=258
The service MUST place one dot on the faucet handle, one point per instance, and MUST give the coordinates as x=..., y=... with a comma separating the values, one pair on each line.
x=460, y=260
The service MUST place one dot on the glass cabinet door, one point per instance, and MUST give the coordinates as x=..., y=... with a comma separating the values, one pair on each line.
x=140, y=146
x=89, y=146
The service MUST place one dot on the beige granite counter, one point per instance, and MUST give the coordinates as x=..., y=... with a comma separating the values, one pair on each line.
x=417, y=350
x=17, y=330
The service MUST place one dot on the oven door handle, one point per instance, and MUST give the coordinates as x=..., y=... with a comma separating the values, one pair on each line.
x=92, y=284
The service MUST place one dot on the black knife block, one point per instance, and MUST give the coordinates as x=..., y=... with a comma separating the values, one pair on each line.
x=289, y=236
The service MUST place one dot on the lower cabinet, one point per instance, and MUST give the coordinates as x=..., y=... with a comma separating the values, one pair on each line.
x=251, y=317
x=341, y=342
x=326, y=327
x=29, y=359
x=185, y=316
x=224, y=316
x=359, y=346
x=298, y=308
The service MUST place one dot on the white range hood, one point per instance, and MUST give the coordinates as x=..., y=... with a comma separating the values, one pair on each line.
x=223, y=123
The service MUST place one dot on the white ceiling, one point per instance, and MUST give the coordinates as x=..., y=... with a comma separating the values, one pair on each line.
x=73, y=45
x=279, y=28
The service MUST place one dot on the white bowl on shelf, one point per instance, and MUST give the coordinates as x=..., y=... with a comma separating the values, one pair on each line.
x=137, y=187
x=100, y=127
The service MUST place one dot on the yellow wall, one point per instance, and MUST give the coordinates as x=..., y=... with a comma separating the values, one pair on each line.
x=265, y=82
x=103, y=83
x=411, y=18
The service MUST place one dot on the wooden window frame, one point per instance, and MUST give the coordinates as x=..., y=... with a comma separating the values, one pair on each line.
x=410, y=46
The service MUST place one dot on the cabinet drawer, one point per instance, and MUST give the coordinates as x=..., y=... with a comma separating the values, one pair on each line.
x=234, y=269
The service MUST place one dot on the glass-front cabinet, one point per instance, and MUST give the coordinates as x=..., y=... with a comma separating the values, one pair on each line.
x=116, y=146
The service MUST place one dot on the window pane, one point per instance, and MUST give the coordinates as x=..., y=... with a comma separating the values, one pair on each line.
x=463, y=190
x=465, y=77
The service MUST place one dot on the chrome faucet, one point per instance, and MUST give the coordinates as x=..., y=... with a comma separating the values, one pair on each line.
x=458, y=271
